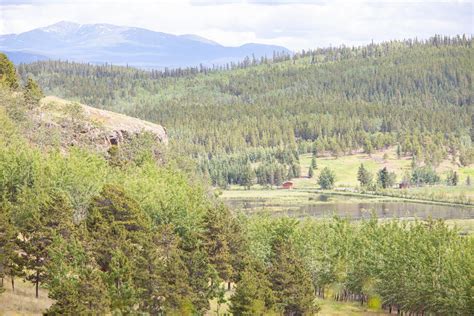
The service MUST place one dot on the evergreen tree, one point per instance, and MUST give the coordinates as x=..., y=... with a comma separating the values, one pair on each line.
x=119, y=279
x=291, y=298
x=8, y=76
x=247, y=176
x=327, y=178
x=399, y=151
x=310, y=172
x=452, y=178
x=314, y=164
x=10, y=261
x=32, y=94
x=363, y=176
x=253, y=295
x=52, y=216
x=216, y=236
x=383, y=178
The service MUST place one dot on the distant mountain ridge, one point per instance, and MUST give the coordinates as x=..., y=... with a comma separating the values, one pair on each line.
x=122, y=45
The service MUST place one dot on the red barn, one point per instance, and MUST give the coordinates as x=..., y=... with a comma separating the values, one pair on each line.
x=287, y=185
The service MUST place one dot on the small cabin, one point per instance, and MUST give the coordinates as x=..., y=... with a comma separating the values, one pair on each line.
x=287, y=185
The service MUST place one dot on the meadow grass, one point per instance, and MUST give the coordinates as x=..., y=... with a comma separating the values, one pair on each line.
x=23, y=300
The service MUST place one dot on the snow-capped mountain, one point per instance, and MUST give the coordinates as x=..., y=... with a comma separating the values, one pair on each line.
x=121, y=45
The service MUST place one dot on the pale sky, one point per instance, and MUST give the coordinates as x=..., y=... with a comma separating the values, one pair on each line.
x=295, y=24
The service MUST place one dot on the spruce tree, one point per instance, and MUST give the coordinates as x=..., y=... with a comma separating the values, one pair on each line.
x=10, y=260
x=327, y=178
x=363, y=176
x=51, y=217
x=32, y=94
x=216, y=234
x=314, y=164
x=291, y=298
x=8, y=76
x=253, y=294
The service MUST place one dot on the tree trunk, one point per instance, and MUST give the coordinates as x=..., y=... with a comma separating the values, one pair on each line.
x=229, y=286
x=37, y=283
x=13, y=284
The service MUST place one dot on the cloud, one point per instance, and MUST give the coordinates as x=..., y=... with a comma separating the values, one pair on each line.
x=295, y=24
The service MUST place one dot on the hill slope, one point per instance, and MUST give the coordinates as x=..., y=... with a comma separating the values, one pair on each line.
x=417, y=95
x=121, y=45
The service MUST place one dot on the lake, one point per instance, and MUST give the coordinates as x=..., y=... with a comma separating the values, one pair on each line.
x=322, y=206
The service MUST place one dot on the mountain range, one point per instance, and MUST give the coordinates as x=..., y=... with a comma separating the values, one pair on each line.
x=122, y=45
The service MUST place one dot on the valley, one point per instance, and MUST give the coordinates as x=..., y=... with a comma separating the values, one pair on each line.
x=333, y=181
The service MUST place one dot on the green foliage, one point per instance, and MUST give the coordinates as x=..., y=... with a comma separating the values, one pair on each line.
x=452, y=178
x=363, y=176
x=32, y=94
x=291, y=298
x=314, y=164
x=416, y=94
x=424, y=175
x=8, y=76
x=385, y=178
x=310, y=172
x=327, y=178
x=253, y=295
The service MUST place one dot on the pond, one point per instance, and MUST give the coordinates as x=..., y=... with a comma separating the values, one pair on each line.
x=321, y=206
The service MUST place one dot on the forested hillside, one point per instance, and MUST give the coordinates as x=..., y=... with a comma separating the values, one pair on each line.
x=111, y=233
x=417, y=94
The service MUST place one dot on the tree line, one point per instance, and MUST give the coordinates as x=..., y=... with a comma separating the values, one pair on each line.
x=107, y=234
x=415, y=94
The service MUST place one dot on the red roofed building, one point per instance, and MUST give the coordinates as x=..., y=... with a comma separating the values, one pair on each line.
x=287, y=185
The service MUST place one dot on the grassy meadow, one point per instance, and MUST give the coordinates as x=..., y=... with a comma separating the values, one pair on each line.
x=308, y=195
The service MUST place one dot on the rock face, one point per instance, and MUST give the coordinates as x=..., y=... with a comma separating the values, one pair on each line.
x=75, y=124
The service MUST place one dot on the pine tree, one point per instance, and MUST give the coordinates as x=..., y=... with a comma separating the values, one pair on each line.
x=363, y=176
x=10, y=261
x=399, y=151
x=310, y=172
x=122, y=293
x=314, y=164
x=247, y=176
x=33, y=93
x=93, y=293
x=8, y=76
x=386, y=179
x=216, y=235
x=53, y=217
x=291, y=298
x=253, y=294
x=114, y=221
x=327, y=178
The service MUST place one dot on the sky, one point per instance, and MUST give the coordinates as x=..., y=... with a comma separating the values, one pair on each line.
x=297, y=24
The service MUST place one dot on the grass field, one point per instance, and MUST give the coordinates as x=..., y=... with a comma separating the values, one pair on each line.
x=345, y=169
x=23, y=301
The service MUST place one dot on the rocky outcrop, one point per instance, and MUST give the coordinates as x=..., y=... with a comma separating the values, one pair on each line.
x=75, y=124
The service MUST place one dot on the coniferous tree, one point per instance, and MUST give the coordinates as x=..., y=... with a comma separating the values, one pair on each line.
x=314, y=164
x=363, y=176
x=310, y=172
x=216, y=232
x=32, y=94
x=51, y=216
x=291, y=298
x=327, y=178
x=10, y=260
x=253, y=295
x=8, y=76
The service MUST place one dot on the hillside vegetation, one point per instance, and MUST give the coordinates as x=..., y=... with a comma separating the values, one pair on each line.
x=123, y=232
x=417, y=94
